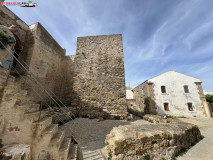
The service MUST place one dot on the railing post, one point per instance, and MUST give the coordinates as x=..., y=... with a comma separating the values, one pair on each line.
x=40, y=108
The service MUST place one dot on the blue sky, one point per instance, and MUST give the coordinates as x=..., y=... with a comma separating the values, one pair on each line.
x=158, y=35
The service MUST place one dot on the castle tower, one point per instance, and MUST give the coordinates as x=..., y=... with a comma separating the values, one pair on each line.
x=99, y=82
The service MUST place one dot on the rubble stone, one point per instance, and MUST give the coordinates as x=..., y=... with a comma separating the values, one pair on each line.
x=156, y=140
x=16, y=152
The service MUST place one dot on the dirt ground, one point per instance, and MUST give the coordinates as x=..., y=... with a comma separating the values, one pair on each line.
x=91, y=135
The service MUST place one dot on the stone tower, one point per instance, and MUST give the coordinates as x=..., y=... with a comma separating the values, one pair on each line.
x=99, y=82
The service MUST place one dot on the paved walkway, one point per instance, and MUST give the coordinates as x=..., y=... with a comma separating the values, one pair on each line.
x=204, y=149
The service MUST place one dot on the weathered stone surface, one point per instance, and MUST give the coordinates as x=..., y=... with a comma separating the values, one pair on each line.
x=16, y=152
x=62, y=114
x=51, y=69
x=144, y=98
x=155, y=118
x=99, y=81
x=156, y=140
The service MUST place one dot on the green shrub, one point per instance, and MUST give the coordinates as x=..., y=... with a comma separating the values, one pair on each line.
x=139, y=111
x=182, y=151
x=109, y=156
x=209, y=98
x=146, y=157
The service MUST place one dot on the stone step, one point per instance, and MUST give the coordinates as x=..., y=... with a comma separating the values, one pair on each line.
x=64, y=148
x=12, y=78
x=39, y=126
x=51, y=129
x=23, y=100
x=18, y=100
x=73, y=152
x=34, y=116
x=28, y=107
x=65, y=144
x=92, y=155
x=14, y=85
x=57, y=139
x=33, y=107
x=17, y=93
x=3, y=76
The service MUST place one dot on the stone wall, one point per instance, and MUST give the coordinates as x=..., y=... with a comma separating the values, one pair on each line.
x=144, y=96
x=140, y=93
x=156, y=141
x=203, y=100
x=99, y=82
x=50, y=67
x=131, y=104
x=43, y=56
x=13, y=124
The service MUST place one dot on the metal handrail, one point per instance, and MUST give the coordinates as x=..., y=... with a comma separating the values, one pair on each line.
x=34, y=91
x=32, y=75
x=36, y=82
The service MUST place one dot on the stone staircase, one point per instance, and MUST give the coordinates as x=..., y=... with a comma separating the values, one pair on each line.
x=20, y=124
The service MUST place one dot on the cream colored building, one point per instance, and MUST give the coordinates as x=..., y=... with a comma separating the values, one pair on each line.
x=129, y=93
x=172, y=93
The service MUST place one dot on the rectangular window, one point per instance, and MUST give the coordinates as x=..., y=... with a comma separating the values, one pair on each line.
x=142, y=92
x=190, y=107
x=186, y=89
x=163, y=89
x=166, y=106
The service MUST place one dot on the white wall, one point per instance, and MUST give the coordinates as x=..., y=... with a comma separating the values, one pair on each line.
x=129, y=93
x=175, y=96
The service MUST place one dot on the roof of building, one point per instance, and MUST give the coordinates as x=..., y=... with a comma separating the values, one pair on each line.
x=128, y=87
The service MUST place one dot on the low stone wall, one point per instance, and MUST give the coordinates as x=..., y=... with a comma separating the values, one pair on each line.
x=155, y=119
x=155, y=141
x=135, y=112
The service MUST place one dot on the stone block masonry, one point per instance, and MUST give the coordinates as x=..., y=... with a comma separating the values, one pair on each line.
x=156, y=141
x=99, y=82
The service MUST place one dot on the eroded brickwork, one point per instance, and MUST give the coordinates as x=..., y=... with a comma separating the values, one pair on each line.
x=99, y=82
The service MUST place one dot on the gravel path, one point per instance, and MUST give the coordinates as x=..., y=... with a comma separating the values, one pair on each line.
x=91, y=135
